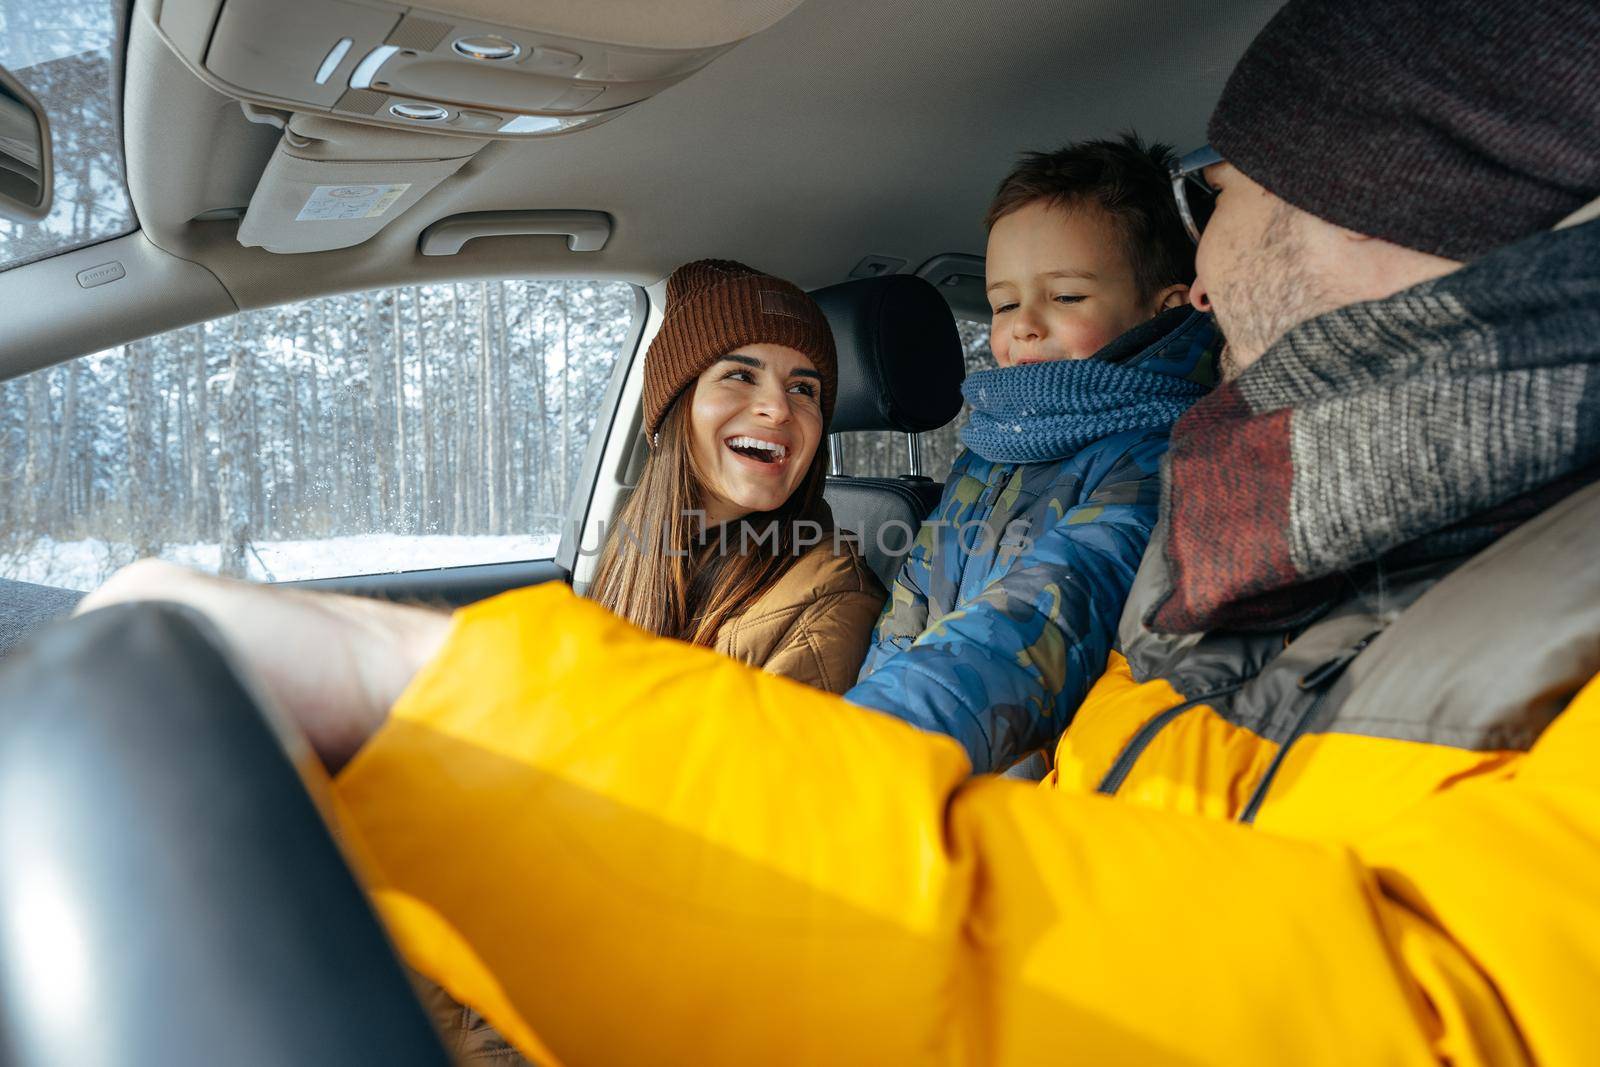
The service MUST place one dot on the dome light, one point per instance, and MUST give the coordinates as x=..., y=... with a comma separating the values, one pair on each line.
x=419, y=112
x=488, y=47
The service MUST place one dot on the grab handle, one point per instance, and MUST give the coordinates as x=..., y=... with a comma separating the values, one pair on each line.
x=585, y=231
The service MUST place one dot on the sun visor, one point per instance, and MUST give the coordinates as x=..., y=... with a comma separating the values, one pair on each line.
x=333, y=184
x=475, y=68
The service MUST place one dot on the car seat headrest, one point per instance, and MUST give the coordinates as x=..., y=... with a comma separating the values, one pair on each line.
x=900, y=362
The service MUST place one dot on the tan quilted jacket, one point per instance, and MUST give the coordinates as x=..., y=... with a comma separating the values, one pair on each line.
x=814, y=624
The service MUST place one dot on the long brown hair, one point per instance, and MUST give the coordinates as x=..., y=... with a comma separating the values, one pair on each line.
x=658, y=568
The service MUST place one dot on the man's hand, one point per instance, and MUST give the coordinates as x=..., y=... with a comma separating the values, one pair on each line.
x=335, y=664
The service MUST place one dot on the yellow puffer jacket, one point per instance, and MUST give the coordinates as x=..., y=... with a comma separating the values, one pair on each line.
x=625, y=851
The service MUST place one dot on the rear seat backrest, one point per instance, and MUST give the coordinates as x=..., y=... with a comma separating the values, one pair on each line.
x=900, y=369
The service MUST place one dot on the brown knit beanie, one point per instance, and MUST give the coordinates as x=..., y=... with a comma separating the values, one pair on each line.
x=1447, y=126
x=715, y=306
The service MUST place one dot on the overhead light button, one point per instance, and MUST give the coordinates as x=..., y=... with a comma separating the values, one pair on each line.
x=487, y=47
x=419, y=112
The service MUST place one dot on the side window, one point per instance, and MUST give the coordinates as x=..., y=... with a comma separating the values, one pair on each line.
x=881, y=454
x=401, y=429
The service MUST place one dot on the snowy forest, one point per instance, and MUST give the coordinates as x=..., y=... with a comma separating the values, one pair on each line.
x=422, y=412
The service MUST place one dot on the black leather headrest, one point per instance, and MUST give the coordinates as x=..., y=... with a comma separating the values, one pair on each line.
x=900, y=364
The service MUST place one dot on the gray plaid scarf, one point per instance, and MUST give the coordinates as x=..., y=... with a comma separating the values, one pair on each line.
x=1417, y=427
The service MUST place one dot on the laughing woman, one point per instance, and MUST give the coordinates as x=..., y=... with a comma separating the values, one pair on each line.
x=727, y=542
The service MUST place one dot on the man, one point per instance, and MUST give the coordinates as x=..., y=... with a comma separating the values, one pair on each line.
x=1347, y=809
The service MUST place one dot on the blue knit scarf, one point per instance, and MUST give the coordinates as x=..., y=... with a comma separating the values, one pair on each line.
x=1039, y=412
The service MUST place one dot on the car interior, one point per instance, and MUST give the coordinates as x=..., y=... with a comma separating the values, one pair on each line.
x=848, y=147
x=278, y=151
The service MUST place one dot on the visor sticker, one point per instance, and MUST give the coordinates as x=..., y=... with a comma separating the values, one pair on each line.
x=332, y=203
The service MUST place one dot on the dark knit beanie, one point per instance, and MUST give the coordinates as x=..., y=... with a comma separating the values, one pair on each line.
x=715, y=306
x=1447, y=126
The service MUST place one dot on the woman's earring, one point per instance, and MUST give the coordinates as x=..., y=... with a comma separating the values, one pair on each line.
x=655, y=439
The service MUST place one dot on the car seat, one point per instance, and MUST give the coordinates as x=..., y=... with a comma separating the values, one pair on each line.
x=900, y=369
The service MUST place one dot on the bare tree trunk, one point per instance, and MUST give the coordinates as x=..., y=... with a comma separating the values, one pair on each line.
x=489, y=517
x=259, y=459
x=518, y=418
x=141, y=468
x=341, y=500
x=402, y=523
x=182, y=508
x=428, y=508
x=362, y=474
x=235, y=457
x=480, y=429
x=201, y=491
x=460, y=483
x=380, y=457
x=540, y=367
x=161, y=499
x=35, y=468
x=314, y=450
x=503, y=399
x=61, y=464
x=566, y=396
x=297, y=476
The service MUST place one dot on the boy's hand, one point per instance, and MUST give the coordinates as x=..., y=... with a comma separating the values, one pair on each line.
x=334, y=664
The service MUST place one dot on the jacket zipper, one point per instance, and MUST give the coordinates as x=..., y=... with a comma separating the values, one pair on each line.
x=1141, y=740
x=1318, y=679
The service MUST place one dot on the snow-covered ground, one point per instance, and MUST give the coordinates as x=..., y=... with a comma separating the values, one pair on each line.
x=84, y=564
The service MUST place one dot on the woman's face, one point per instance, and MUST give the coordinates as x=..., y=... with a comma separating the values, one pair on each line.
x=755, y=420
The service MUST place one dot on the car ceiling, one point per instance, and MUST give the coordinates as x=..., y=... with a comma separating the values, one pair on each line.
x=849, y=128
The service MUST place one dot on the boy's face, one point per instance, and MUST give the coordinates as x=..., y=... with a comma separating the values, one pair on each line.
x=1060, y=286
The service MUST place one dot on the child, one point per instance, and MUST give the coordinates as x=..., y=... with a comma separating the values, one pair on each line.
x=1006, y=608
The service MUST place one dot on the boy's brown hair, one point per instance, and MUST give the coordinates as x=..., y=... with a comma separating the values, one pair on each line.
x=1129, y=181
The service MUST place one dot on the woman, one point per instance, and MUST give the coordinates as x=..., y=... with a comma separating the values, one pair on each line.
x=727, y=542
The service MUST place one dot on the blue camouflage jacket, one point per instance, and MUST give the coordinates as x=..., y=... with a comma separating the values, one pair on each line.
x=1006, y=608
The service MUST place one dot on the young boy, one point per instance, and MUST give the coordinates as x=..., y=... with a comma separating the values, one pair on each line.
x=1006, y=608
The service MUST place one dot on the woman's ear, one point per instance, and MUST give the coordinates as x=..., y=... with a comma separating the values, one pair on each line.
x=1172, y=296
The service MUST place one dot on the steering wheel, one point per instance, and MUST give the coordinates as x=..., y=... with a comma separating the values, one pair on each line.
x=169, y=893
